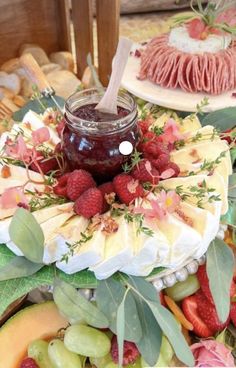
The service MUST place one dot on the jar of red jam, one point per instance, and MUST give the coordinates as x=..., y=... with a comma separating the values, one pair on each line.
x=99, y=142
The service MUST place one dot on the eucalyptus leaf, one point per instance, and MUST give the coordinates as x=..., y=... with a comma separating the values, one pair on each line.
x=120, y=328
x=18, y=267
x=233, y=155
x=10, y=290
x=230, y=217
x=172, y=331
x=27, y=234
x=150, y=343
x=221, y=119
x=72, y=304
x=220, y=267
x=232, y=187
x=109, y=296
x=145, y=288
x=154, y=273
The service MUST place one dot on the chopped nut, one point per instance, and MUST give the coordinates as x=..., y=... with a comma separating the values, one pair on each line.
x=5, y=172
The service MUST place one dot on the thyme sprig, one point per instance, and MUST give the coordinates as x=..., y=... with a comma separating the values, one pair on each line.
x=196, y=138
x=85, y=237
x=42, y=200
x=137, y=219
x=208, y=165
x=202, y=193
x=134, y=160
x=203, y=103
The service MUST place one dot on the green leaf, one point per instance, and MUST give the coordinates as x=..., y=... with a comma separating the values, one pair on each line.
x=154, y=273
x=230, y=217
x=145, y=288
x=11, y=290
x=37, y=107
x=221, y=119
x=18, y=267
x=109, y=296
x=150, y=343
x=27, y=234
x=220, y=266
x=233, y=155
x=120, y=328
x=172, y=331
x=232, y=187
x=73, y=305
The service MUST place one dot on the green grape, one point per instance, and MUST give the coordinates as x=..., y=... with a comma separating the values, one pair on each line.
x=183, y=289
x=61, y=357
x=87, y=341
x=38, y=350
x=101, y=362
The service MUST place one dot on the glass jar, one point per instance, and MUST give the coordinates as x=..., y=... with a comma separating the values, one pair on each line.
x=99, y=143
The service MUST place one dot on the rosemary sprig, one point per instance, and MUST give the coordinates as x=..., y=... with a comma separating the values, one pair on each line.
x=85, y=237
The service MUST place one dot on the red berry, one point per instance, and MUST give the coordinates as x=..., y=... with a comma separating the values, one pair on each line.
x=45, y=164
x=106, y=188
x=127, y=188
x=78, y=182
x=204, y=282
x=190, y=309
x=154, y=149
x=29, y=363
x=89, y=203
x=61, y=187
x=130, y=354
x=144, y=126
x=145, y=172
x=207, y=312
x=233, y=313
x=172, y=165
x=161, y=162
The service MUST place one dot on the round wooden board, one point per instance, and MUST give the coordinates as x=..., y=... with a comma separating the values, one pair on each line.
x=170, y=98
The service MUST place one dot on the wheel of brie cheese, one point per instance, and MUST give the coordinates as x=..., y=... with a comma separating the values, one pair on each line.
x=193, y=204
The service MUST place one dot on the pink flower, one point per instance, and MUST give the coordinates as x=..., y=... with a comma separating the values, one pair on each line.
x=228, y=17
x=211, y=353
x=197, y=29
x=169, y=200
x=40, y=135
x=13, y=197
x=154, y=212
x=18, y=150
x=172, y=133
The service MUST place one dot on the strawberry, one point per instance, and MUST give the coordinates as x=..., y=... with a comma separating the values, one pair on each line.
x=106, y=188
x=145, y=172
x=29, y=363
x=45, y=164
x=204, y=282
x=89, y=203
x=61, y=187
x=78, y=182
x=130, y=354
x=127, y=188
x=233, y=313
x=172, y=165
x=190, y=309
x=208, y=314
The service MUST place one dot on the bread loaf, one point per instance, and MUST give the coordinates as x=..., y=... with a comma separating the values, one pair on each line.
x=38, y=53
x=10, y=81
x=64, y=82
x=63, y=58
x=52, y=67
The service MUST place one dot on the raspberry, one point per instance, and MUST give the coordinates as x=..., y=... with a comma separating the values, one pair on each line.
x=61, y=187
x=161, y=162
x=144, y=171
x=154, y=149
x=89, y=203
x=130, y=354
x=45, y=164
x=172, y=165
x=127, y=188
x=106, y=188
x=29, y=363
x=143, y=126
x=78, y=182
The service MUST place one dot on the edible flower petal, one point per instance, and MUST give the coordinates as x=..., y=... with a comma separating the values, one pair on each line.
x=40, y=135
x=13, y=197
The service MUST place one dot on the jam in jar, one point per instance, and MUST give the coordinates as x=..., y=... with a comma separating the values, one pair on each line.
x=99, y=142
